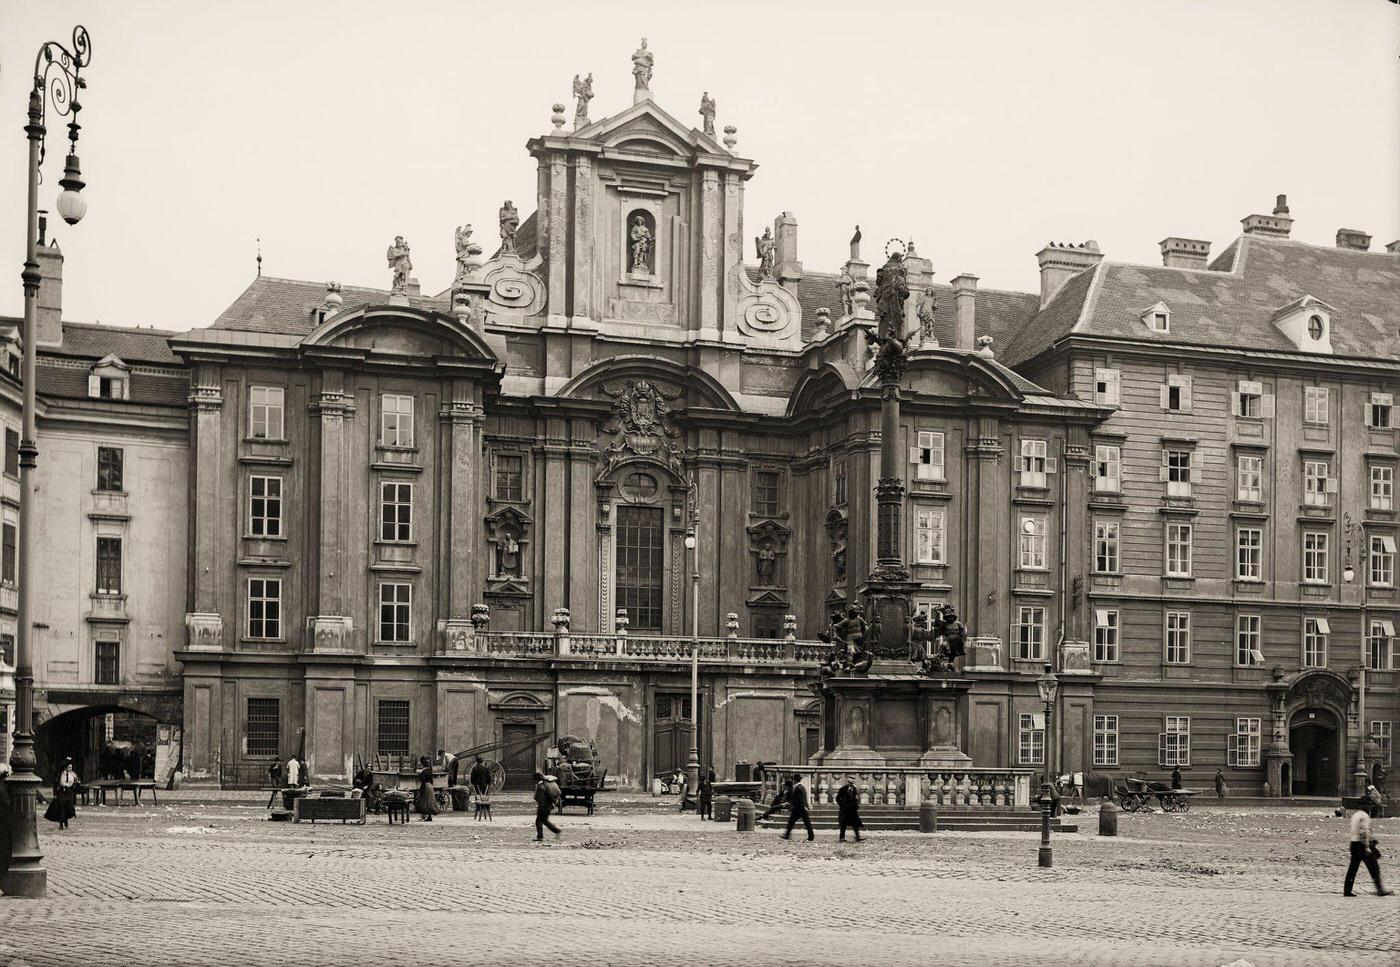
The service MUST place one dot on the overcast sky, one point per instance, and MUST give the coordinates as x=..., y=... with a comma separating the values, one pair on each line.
x=982, y=130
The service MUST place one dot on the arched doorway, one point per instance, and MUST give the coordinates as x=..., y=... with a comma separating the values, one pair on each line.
x=105, y=741
x=1315, y=739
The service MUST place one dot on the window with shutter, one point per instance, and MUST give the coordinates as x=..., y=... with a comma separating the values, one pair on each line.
x=1378, y=413
x=1107, y=386
x=927, y=456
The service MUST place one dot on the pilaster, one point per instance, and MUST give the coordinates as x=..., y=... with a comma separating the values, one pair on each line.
x=557, y=239
x=581, y=308
x=334, y=406
x=711, y=241
x=462, y=419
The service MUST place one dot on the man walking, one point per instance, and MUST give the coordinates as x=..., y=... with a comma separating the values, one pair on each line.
x=848, y=810
x=544, y=804
x=1219, y=784
x=1176, y=777
x=798, y=798
x=1363, y=850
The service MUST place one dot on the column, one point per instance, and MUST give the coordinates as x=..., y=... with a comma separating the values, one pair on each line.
x=462, y=486
x=331, y=628
x=551, y=512
x=985, y=536
x=204, y=622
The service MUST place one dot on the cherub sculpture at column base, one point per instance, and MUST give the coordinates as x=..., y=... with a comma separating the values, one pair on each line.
x=937, y=640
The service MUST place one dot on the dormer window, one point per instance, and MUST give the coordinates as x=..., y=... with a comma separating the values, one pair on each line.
x=1307, y=322
x=1158, y=318
x=109, y=379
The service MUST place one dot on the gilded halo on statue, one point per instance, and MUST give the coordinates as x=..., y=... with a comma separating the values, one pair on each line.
x=898, y=245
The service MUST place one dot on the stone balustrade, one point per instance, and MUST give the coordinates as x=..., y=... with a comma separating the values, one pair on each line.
x=908, y=786
x=648, y=648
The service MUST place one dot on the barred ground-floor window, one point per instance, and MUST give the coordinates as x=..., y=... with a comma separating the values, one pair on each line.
x=263, y=726
x=1242, y=748
x=1030, y=744
x=1174, y=744
x=392, y=727
x=1105, y=740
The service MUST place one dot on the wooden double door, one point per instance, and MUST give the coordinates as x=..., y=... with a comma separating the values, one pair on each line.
x=670, y=735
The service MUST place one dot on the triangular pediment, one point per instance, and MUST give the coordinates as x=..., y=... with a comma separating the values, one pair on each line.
x=508, y=515
x=647, y=129
x=768, y=599
x=770, y=529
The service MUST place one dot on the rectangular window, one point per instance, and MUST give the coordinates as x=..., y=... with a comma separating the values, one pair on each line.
x=1318, y=485
x=1382, y=488
x=392, y=731
x=1033, y=463
x=928, y=535
x=1379, y=415
x=1174, y=745
x=1249, y=474
x=1382, y=632
x=109, y=469
x=510, y=476
x=1030, y=743
x=838, y=481
x=1033, y=543
x=766, y=484
x=1381, y=733
x=1178, y=637
x=1382, y=560
x=107, y=666
x=1176, y=394
x=395, y=511
x=1315, y=557
x=1248, y=648
x=395, y=602
x=8, y=557
x=266, y=412
x=1105, y=740
x=1178, y=550
x=11, y=452
x=1242, y=748
x=396, y=420
x=111, y=387
x=641, y=565
x=1107, y=386
x=927, y=457
x=1106, y=546
x=1315, y=632
x=263, y=727
x=265, y=506
x=1249, y=399
x=1105, y=634
x=109, y=565
x=1029, y=633
x=264, y=607
x=1176, y=471
x=1108, y=472
x=1249, y=554
x=1315, y=400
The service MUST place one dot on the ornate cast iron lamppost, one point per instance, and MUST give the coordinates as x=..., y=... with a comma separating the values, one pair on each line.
x=57, y=80
x=1049, y=687
x=692, y=761
x=1352, y=529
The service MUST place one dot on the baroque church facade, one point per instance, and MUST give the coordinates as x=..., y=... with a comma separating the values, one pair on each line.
x=404, y=521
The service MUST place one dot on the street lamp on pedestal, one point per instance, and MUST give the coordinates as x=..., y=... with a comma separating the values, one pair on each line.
x=692, y=761
x=1049, y=687
x=57, y=82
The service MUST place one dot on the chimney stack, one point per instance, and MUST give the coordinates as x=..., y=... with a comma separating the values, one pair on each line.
x=49, y=328
x=1059, y=263
x=786, y=266
x=1354, y=239
x=1277, y=225
x=1185, y=253
x=965, y=299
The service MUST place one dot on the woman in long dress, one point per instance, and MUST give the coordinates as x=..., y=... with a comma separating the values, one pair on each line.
x=63, y=807
x=423, y=801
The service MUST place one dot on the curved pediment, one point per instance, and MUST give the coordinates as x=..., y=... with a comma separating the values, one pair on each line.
x=959, y=375
x=401, y=331
x=693, y=387
x=822, y=388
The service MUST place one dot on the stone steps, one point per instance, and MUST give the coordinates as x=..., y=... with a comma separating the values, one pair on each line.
x=962, y=819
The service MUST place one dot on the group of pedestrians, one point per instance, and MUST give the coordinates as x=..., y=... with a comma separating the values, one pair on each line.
x=795, y=796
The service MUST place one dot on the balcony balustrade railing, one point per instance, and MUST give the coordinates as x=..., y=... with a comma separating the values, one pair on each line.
x=647, y=648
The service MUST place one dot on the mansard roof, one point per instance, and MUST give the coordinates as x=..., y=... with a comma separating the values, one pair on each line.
x=288, y=307
x=94, y=340
x=1232, y=303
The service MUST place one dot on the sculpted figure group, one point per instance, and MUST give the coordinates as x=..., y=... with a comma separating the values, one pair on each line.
x=937, y=641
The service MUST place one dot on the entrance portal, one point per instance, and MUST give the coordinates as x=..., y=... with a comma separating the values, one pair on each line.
x=1315, y=740
x=520, y=759
x=671, y=734
x=103, y=742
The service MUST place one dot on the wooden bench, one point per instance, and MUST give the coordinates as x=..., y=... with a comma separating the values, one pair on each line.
x=312, y=808
x=398, y=806
x=135, y=789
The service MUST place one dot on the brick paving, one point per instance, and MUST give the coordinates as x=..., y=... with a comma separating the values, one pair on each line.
x=638, y=884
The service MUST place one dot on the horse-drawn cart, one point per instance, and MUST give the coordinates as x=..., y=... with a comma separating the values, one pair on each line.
x=1133, y=794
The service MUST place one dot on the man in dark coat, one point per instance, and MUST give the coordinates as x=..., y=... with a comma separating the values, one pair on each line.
x=1176, y=777
x=799, y=810
x=544, y=804
x=704, y=803
x=848, y=809
x=779, y=800
x=480, y=777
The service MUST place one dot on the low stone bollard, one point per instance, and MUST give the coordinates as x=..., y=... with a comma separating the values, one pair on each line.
x=745, y=814
x=656, y=787
x=720, y=808
x=928, y=816
x=1108, y=819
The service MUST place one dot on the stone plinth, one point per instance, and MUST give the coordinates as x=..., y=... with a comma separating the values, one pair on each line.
x=892, y=717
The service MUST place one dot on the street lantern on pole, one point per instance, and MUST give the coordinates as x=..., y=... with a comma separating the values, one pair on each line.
x=692, y=762
x=1352, y=530
x=1049, y=687
x=58, y=82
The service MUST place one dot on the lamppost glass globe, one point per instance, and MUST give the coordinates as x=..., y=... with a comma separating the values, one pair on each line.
x=72, y=206
x=690, y=542
x=1348, y=574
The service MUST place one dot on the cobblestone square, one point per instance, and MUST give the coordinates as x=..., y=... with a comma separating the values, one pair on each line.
x=213, y=884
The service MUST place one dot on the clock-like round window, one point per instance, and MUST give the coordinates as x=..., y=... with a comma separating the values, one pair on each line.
x=1315, y=327
x=639, y=485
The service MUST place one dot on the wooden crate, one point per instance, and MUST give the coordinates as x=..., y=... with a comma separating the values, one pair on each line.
x=312, y=808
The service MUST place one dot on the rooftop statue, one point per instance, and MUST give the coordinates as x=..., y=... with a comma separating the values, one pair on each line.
x=707, y=111
x=510, y=223
x=642, y=61
x=583, y=93
x=847, y=285
x=400, y=263
x=764, y=243
x=465, y=249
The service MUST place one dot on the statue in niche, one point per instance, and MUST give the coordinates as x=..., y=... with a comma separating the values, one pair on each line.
x=642, y=61
x=510, y=224
x=707, y=111
x=399, y=263
x=767, y=564
x=583, y=93
x=641, y=246
x=847, y=285
x=508, y=555
x=765, y=253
